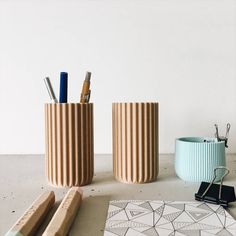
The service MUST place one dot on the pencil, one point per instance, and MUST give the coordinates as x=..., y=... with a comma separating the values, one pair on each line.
x=85, y=94
x=33, y=217
x=65, y=214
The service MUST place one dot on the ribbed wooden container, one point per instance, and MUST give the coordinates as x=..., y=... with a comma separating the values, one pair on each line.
x=135, y=142
x=69, y=143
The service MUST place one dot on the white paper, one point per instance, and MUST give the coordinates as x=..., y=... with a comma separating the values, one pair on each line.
x=167, y=218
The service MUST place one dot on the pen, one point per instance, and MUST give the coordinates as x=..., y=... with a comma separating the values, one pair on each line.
x=50, y=89
x=63, y=87
x=85, y=94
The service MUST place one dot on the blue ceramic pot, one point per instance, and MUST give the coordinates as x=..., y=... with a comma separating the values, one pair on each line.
x=196, y=158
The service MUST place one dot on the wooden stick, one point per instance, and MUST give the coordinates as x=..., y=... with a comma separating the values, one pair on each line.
x=34, y=216
x=65, y=214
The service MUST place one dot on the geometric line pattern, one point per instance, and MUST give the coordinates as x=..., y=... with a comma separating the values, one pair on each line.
x=112, y=213
x=172, y=216
x=160, y=218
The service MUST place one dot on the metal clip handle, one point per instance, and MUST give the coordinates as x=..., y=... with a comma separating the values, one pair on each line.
x=221, y=138
x=221, y=180
x=227, y=130
x=217, y=133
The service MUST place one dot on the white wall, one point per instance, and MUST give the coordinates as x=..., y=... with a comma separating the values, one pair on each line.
x=181, y=53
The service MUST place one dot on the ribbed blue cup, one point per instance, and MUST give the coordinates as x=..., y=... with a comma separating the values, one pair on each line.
x=196, y=158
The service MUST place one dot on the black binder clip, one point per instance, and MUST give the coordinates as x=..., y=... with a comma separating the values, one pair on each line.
x=216, y=193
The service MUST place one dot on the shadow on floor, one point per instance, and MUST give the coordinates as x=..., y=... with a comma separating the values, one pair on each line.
x=90, y=219
x=48, y=218
x=103, y=178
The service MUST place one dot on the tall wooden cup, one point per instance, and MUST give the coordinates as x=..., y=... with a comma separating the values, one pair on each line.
x=135, y=142
x=69, y=143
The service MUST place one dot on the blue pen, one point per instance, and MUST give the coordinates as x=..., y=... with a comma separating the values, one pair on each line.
x=63, y=87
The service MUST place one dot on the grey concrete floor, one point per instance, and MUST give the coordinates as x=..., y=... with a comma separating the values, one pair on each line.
x=22, y=179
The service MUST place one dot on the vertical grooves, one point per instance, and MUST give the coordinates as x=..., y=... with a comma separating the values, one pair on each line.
x=128, y=142
x=142, y=158
x=125, y=141
x=65, y=144
x=120, y=140
x=114, y=114
x=66, y=158
x=50, y=170
x=47, y=137
x=82, y=177
x=76, y=143
x=135, y=141
x=79, y=144
x=113, y=139
x=69, y=144
x=86, y=147
x=88, y=143
x=59, y=144
x=117, y=141
x=134, y=144
x=147, y=141
x=156, y=139
x=54, y=137
x=150, y=142
x=91, y=144
x=131, y=142
x=141, y=143
x=199, y=160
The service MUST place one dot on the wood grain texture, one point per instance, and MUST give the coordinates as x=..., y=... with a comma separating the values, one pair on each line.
x=135, y=141
x=64, y=216
x=69, y=143
x=28, y=224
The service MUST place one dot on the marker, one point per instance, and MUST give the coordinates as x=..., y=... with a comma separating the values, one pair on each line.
x=85, y=94
x=33, y=217
x=65, y=214
x=50, y=89
x=63, y=87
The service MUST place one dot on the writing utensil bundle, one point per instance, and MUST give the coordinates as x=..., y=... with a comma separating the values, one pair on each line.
x=60, y=223
x=63, y=91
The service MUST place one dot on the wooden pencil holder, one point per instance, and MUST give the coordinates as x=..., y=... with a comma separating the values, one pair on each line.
x=69, y=143
x=135, y=142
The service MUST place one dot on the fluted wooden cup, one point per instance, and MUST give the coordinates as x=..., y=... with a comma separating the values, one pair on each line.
x=69, y=144
x=135, y=142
